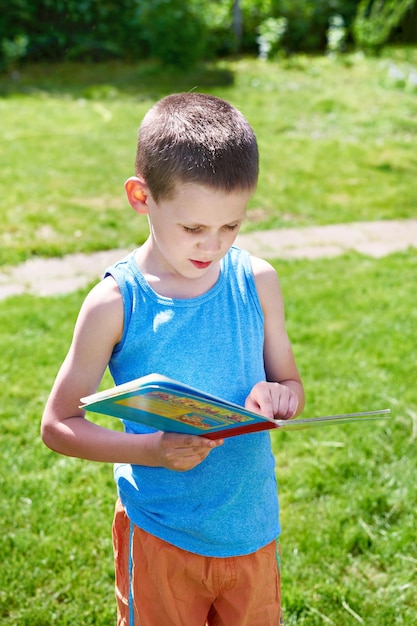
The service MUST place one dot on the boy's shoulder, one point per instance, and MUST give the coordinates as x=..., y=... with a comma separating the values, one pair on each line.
x=261, y=270
x=261, y=267
x=104, y=295
x=267, y=282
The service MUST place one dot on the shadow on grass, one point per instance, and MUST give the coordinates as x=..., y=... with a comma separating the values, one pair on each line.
x=112, y=80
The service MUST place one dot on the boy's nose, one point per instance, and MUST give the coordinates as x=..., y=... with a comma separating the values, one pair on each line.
x=210, y=243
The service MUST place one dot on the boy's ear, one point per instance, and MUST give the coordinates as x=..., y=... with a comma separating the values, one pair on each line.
x=137, y=194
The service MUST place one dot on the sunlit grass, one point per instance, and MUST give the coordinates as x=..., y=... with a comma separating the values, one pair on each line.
x=347, y=493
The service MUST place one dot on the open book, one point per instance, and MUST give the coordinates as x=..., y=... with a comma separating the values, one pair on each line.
x=166, y=404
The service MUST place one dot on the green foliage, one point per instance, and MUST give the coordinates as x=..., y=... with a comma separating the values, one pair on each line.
x=336, y=34
x=218, y=20
x=271, y=32
x=14, y=50
x=308, y=21
x=376, y=19
x=68, y=28
x=172, y=31
x=180, y=33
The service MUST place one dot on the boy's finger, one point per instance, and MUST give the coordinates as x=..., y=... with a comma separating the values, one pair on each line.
x=193, y=441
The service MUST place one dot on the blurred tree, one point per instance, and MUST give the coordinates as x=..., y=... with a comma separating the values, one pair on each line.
x=237, y=24
x=173, y=31
x=180, y=32
x=408, y=26
x=376, y=19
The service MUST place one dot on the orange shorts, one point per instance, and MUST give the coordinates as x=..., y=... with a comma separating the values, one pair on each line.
x=158, y=584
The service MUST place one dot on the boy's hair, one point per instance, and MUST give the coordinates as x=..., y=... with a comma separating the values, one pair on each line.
x=196, y=138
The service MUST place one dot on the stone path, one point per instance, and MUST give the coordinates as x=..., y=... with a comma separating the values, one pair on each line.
x=58, y=276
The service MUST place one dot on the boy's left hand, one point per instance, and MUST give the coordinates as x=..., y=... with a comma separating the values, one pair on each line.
x=272, y=400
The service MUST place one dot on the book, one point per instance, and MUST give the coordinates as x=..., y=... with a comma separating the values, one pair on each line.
x=168, y=405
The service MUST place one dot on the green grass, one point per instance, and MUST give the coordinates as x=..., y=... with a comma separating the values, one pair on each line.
x=336, y=138
x=347, y=493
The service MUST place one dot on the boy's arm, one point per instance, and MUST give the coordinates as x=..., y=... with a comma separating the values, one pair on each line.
x=282, y=395
x=64, y=426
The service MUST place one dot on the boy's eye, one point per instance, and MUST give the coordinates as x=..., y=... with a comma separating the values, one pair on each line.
x=189, y=229
x=198, y=229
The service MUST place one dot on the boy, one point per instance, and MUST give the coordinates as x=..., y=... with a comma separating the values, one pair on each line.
x=197, y=521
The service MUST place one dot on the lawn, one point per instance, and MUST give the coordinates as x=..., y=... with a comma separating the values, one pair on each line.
x=337, y=141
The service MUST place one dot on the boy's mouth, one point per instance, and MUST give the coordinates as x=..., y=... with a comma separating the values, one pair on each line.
x=201, y=265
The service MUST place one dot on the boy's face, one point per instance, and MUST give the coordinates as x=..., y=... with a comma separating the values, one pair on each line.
x=192, y=230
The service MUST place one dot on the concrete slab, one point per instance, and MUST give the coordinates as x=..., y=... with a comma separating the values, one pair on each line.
x=44, y=277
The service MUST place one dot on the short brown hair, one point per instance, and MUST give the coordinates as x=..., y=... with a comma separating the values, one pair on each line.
x=196, y=138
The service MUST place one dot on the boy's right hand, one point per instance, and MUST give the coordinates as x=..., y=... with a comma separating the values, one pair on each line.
x=183, y=452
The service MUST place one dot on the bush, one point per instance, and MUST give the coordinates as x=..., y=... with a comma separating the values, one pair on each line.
x=13, y=50
x=180, y=33
x=336, y=35
x=307, y=21
x=94, y=30
x=271, y=32
x=375, y=20
x=172, y=31
x=57, y=30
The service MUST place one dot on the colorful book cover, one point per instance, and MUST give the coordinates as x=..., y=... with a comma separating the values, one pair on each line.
x=170, y=406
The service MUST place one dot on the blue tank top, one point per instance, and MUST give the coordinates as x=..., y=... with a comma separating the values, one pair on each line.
x=227, y=505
